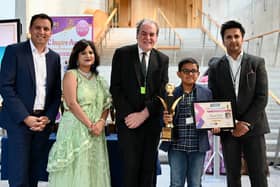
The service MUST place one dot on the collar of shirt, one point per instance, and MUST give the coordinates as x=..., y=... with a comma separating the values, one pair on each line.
x=238, y=60
x=179, y=90
x=147, y=55
x=191, y=94
x=235, y=66
x=34, y=49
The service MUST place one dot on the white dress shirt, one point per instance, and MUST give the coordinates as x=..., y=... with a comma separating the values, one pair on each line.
x=235, y=69
x=40, y=67
x=147, y=57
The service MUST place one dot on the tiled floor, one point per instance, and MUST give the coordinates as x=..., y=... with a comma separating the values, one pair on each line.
x=208, y=181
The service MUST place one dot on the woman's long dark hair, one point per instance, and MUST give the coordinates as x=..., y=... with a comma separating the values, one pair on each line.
x=79, y=47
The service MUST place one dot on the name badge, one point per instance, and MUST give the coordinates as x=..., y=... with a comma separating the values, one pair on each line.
x=189, y=120
x=143, y=90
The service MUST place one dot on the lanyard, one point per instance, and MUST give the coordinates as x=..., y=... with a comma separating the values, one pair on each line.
x=234, y=76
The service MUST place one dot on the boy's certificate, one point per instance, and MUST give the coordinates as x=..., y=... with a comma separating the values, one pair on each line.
x=210, y=114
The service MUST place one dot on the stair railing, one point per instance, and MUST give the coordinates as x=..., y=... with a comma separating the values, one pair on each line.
x=274, y=97
x=101, y=37
x=217, y=26
x=276, y=155
x=258, y=50
x=174, y=40
x=210, y=28
x=259, y=44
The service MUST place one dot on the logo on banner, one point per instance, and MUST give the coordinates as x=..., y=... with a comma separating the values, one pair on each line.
x=82, y=28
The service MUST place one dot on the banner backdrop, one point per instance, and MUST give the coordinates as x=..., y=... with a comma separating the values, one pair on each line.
x=67, y=30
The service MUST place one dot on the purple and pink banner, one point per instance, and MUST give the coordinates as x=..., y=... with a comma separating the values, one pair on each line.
x=67, y=30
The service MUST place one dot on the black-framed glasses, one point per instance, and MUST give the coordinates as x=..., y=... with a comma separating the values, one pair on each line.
x=188, y=71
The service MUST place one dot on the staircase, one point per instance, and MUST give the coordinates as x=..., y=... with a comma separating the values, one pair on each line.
x=116, y=38
x=273, y=112
x=192, y=47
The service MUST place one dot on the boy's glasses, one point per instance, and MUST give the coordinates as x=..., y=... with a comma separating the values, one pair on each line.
x=188, y=71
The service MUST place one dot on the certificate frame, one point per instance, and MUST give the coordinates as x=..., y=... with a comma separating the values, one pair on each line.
x=10, y=30
x=211, y=114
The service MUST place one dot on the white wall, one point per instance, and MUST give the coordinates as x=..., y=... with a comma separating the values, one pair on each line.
x=24, y=9
x=7, y=9
x=61, y=7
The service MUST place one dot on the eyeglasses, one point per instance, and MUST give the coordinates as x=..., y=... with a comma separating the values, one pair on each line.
x=188, y=71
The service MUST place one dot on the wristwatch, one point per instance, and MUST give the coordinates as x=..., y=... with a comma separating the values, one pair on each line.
x=248, y=125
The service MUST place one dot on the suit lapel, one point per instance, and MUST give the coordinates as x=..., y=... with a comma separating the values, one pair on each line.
x=29, y=60
x=226, y=75
x=137, y=66
x=226, y=70
x=153, y=65
x=199, y=94
x=245, y=68
x=48, y=69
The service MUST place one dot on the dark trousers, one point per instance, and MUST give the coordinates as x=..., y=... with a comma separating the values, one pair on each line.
x=25, y=152
x=139, y=153
x=254, y=151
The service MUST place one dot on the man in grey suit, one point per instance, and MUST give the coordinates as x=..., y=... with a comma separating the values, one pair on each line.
x=242, y=79
x=139, y=74
x=30, y=85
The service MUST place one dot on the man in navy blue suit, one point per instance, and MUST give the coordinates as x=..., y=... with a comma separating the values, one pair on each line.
x=30, y=84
